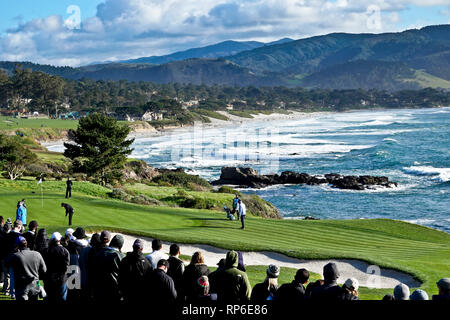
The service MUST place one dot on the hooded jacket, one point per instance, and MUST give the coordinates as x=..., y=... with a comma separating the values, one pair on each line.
x=330, y=289
x=232, y=284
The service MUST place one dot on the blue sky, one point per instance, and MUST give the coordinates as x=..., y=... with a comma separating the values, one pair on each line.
x=38, y=31
x=13, y=12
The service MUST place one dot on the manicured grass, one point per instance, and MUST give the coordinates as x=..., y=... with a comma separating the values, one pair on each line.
x=421, y=251
x=9, y=123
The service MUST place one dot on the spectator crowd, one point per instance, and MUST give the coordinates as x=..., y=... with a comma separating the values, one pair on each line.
x=71, y=267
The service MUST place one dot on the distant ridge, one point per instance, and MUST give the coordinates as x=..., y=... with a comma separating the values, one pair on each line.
x=218, y=50
x=411, y=59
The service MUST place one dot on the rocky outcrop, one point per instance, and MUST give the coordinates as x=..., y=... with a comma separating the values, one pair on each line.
x=248, y=177
x=138, y=170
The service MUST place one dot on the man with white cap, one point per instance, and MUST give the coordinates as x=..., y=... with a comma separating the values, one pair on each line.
x=57, y=259
x=444, y=290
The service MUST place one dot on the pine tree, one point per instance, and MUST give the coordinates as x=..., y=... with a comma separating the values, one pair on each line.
x=99, y=147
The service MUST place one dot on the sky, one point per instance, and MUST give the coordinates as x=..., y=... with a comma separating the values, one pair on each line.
x=80, y=32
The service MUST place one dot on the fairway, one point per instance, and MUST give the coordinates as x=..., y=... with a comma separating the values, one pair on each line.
x=420, y=251
x=10, y=123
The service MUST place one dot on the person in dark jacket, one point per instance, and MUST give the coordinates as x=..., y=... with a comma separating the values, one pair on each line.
x=68, y=188
x=30, y=235
x=311, y=286
x=444, y=290
x=349, y=290
x=294, y=292
x=232, y=284
x=117, y=244
x=330, y=289
x=69, y=211
x=57, y=260
x=41, y=242
x=176, y=269
x=162, y=287
x=28, y=266
x=134, y=272
x=10, y=247
x=106, y=271
x=266, y=290
x=213, y=276
x=86, y=264
x=193, y=271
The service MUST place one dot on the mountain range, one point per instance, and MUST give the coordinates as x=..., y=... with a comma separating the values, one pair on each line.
x=411, y=59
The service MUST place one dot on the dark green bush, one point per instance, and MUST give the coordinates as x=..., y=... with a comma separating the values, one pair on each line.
x=179, y=178
x=198, y=203
x=227, y=189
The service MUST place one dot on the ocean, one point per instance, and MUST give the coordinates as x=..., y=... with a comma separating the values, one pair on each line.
x=410, y=146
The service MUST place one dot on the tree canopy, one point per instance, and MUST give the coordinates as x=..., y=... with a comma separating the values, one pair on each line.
x=14, y=156
x=99, y=147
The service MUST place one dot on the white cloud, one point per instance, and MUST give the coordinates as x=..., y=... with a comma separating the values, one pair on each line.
x=125, y=29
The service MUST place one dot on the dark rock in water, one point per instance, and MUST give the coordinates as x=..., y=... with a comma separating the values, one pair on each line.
x=310, y=218
x=248, y=177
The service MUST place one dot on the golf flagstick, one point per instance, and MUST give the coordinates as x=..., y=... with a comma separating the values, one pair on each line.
x=42, y=192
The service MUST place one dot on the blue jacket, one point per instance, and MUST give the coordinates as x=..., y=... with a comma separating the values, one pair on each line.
x=22, y=214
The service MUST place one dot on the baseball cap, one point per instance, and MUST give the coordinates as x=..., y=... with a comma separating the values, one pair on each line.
x=105, y=236
x=19, y=240
x=56, y=236
x=138, y=243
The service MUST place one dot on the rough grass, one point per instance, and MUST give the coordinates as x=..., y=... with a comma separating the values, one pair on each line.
x=420, y=251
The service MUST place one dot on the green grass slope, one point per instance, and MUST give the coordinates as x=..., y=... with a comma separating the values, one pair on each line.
x=418, y=250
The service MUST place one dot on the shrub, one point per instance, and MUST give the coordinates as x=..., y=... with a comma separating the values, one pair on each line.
x=179, y=178
x=198, y=203
x=145, y=200
x=227, y=189
x=120, y=194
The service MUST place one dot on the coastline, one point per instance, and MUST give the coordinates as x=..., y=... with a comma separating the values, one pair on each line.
x=143, y=132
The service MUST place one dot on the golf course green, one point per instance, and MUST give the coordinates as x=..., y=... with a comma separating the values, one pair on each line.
x=417, y=250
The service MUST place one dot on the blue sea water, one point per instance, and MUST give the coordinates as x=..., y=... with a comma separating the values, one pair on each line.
x=410, y=146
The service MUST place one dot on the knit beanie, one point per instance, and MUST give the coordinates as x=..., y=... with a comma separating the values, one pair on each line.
x=203, y=285
x=273, y=271
x=117, y=242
